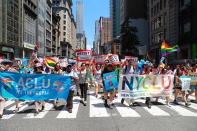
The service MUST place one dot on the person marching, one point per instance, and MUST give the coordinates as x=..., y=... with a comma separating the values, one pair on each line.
x=83, y=83
x=98, y=78
x=74, y=79
x=108, y=69
x=128, y=69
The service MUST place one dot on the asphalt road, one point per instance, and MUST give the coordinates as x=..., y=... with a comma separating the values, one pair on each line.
x=95, y=117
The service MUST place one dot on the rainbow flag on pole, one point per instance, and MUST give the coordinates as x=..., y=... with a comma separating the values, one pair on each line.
x=149, y=58
x=166, y=49
x=50, y=61
x=36, y=47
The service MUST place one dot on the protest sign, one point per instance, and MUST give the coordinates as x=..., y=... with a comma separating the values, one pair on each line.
x=185, y=82
x=135, y=86
x=110, y=80
x=83, y=55
x=99, y=59
x=33, y=86
x=135, y=59
x=193, y=78
x=63, y=62
x=114, y=59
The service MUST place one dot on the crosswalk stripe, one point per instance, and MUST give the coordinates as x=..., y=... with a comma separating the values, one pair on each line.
x=65, y=114
x=9, y=102
x=97, y=108
x=155, y=111
x=48, y=107
x=180, y=110
x=22, y=106
x=125, y=111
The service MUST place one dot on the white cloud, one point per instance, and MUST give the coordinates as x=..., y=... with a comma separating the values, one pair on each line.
x=89, y=47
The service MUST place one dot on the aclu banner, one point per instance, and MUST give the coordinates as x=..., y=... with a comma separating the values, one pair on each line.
x=135, y=86
x=33, y=86
x=110, y=81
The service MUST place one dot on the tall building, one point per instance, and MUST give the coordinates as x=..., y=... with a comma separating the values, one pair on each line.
x=134, y=27
x=97, y=37
x=105, y=32
x=187, y=29
x=67, y=25
x=80, y=20
x=115, y=18
x=11, y=28
x=41, y=12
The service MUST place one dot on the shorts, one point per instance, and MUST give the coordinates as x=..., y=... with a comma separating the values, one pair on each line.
x=98, y=81
x=178, y=87
x=193, y=87
x=107, y=91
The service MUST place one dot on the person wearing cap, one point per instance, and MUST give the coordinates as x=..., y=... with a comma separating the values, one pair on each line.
x=74, y=79
x=108, y=69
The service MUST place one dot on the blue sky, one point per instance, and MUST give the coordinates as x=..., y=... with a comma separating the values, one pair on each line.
x=93, y=9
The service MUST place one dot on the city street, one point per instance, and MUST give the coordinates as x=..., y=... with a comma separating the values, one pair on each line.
x=95, y=117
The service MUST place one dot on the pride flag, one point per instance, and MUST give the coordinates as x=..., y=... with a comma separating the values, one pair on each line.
x=166, y=49
x=50, y=61
x=36, y=47
x=149, y=58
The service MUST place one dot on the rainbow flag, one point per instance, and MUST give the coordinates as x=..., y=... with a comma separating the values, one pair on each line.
x=166, y=49
x=36, y=47
x=149, y=58
x=50, y=61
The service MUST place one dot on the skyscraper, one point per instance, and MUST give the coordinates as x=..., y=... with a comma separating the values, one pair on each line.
x=80, y=17
x=115, y=18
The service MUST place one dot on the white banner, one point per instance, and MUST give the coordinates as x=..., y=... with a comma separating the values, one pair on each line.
x=136, y=86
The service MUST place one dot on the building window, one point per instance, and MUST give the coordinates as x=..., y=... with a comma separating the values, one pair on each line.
x=64, y=39
x=187, y=27
x=161, y=4
x=117, y=47
x=64, y=16
x=64, y=33
x=64, y=27
x=164, y=3
x=64, y=22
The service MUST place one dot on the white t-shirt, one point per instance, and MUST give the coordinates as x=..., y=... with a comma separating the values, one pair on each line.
x=73, y=83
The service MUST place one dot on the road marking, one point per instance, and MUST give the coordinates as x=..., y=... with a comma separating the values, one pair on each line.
x=97, y=108
x=21, y=105
x=125, y=111
x=65, y=114
x=48, y=107
x=9, y=102
x=155, y=111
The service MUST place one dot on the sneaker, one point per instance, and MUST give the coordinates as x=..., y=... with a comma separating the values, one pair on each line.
x=37, y=112
x=85, y=103
x=70, y=110
x=1, y=116
x=122, y=101
x=77, y=93
x=17, y=109
x=187, y=104
x=175, y=102
x=168, y=104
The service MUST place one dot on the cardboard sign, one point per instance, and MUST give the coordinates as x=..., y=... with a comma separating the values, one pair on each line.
x=99, y=59
x=64, y=62
x=193, y=78
x=114, y=59
x=135, y=59
x=185, y=82
x=83, y=55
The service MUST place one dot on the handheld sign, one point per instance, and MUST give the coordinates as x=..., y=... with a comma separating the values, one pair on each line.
x=83, y=55
x=64, y=62
x=135, y=59
x=114, y=59
x=185, y=82
x=110, y=81
x=99, y=59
